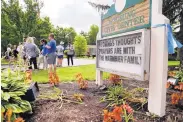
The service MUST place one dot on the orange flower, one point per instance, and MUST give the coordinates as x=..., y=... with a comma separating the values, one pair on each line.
x=115, y=79
x=9, y=114
x=107, y=116
x=117, y=111
x=56, y=79
x=19, y=119
x=83, y=84
x=175, y=98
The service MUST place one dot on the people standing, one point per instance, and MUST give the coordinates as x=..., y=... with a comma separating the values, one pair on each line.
x=44, y=53
x=70, y=54
x=40, y=59
x=60, y=54
x=8, y=52
x=51, y=60
x=31, y=52
x=15, y=52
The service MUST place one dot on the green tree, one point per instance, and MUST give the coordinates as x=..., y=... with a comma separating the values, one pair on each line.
x=85, y=34
x=43, y=28
x=59, y=34
x=93, y=34
x=64, y=34
x=80, y=45
x=70, y=34
x=17, y=22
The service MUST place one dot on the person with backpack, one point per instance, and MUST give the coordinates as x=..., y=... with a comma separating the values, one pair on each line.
x=70, y=54
x=60, y=54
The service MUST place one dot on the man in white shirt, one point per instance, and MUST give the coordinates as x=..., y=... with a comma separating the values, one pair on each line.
x=60, y=54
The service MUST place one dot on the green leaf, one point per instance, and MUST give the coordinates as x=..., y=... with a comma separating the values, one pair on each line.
x=4, y=84
x=15, y=108
x=17, y=93
x=5, y=96
x=2, y=109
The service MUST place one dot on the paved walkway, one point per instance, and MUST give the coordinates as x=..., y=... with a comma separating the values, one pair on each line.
x=77, y=62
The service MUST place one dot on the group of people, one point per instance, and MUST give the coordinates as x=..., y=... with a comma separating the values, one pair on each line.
x=46, y=53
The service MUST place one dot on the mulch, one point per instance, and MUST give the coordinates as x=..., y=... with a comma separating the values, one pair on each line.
x=47, y=110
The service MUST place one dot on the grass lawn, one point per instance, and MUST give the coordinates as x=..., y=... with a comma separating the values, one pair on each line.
x=173, y=63
x=4, y=61
x=67, y=74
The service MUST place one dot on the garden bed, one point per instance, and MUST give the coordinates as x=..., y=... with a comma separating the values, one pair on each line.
x=91, y=110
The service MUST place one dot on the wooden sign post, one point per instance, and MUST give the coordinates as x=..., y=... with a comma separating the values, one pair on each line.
x=158, y=62
x=129, y=44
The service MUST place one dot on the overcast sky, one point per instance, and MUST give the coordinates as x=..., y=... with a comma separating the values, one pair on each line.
x=72, y=13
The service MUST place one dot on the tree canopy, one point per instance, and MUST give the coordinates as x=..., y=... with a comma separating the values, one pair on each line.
x=16, y=22
x=93, y=34
x=80, y=45
x=20, y=21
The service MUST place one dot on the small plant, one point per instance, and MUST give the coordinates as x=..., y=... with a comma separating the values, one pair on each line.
x=78, y=97
x=179, y=75
x=115, y=79
x=83, y=84
x=117, y=94
x=176, y=98
x=53, y=78
x=118, y=113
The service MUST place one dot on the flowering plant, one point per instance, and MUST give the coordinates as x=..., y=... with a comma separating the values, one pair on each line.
x=83, y=84
x=118, y=113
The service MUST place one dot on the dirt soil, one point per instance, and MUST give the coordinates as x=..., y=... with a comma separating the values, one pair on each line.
x=47, y=110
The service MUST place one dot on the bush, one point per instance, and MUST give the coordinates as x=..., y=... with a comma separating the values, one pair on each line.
x=12, y=88
x=80, y=45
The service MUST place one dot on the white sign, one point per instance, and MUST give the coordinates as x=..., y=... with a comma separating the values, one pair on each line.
x=126, y=54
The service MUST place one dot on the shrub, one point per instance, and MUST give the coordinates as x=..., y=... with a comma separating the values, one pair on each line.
x=80, y=45
x=12, y=88
x=83, y=84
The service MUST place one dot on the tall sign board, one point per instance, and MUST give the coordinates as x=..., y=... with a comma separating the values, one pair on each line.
x=124, y=46
x=130, y=44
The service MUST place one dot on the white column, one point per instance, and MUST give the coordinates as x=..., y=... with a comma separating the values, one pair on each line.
x=99, y=80
x=158, y=62
x=99, y=74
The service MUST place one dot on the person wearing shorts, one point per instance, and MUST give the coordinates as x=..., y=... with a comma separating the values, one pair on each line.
x=60, y=54
x=51, y=54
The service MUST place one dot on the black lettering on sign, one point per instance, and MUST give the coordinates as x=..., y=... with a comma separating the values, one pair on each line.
x=117, y=50
x=121, y=49
x=129, y=50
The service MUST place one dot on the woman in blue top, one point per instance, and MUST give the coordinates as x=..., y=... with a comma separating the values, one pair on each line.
x=44, y=53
